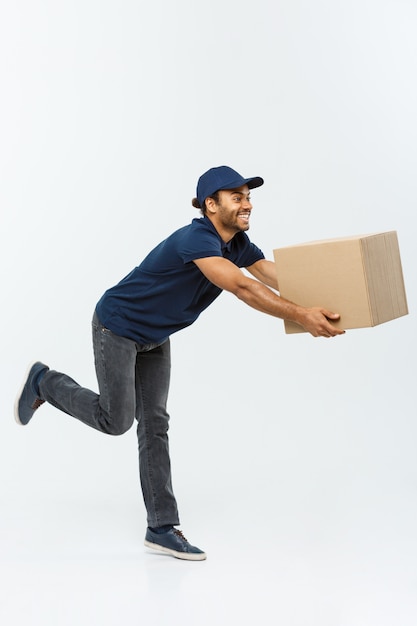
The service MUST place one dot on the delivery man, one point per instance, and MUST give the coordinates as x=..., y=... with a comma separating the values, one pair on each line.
x=134, y=320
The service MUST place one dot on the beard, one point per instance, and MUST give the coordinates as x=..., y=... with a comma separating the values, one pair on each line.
x=234, y=220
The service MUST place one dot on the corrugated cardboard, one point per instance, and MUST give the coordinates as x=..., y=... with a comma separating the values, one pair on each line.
x=359, y=277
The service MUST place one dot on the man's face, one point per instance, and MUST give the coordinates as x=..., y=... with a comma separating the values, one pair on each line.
x=234, y=209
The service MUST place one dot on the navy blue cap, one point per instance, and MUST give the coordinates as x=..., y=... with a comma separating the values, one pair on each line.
x=223, y=177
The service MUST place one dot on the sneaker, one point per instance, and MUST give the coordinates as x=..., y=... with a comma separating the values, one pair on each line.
x=173, y=542
x=28, y=399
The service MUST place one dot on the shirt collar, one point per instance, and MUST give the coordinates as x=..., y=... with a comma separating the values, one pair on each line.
x=226, y=247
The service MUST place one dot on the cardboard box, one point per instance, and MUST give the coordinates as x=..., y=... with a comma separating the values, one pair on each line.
x=359, y=277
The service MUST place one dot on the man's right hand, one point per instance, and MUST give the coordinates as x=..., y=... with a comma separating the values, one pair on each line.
x=317, y=322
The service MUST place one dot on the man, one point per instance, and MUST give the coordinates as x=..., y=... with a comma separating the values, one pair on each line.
x=132, y=324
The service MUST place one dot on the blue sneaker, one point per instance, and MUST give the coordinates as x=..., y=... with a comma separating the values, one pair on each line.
x=28, y=399
x=174, y=543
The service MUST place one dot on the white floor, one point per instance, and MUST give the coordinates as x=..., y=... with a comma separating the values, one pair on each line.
x=81, y=561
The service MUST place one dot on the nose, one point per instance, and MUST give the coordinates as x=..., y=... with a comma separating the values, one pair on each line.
x=247, y=204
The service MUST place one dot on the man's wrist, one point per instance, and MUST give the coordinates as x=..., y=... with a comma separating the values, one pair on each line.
x=296, y=313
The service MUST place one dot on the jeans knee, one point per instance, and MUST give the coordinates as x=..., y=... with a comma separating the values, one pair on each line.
x=119, y=428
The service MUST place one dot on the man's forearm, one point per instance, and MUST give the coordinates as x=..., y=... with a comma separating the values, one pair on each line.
x=263, y=299
x=314, y=320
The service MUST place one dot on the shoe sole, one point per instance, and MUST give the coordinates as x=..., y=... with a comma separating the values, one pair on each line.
x=19, y=395
x=185, y=556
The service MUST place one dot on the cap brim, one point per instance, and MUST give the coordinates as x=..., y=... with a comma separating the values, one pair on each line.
x=252, y=183
x=257, y=181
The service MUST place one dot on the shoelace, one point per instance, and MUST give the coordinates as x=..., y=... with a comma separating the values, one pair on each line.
x=180, y=535
x=37, y=404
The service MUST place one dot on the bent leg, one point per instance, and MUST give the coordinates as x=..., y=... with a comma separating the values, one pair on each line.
x=111, y=411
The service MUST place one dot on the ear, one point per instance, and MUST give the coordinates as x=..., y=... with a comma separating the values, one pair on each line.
x=211, y=206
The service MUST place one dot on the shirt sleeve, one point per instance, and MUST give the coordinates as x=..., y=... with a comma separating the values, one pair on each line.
x=199, y=243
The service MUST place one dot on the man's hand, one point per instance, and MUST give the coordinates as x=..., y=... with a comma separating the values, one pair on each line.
x=315, y=320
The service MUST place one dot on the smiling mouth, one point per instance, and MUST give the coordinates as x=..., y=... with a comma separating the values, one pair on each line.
x=244, y=216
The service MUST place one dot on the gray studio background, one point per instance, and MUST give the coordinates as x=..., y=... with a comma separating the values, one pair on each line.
x=294, y=459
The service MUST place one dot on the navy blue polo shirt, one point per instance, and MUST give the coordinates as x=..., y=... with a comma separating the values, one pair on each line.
x=167, y=291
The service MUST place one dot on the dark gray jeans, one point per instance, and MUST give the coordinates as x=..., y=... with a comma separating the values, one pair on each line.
x=133, y=382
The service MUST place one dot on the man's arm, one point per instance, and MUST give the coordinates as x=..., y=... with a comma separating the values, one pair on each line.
x=225, y=275
x=265, y=271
